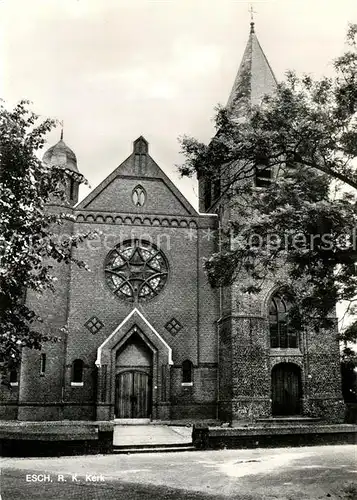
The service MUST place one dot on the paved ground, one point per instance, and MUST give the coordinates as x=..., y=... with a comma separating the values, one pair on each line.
x=125, y=435
x=262, y=474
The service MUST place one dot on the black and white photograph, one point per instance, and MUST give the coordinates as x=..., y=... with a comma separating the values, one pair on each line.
x=178, y=249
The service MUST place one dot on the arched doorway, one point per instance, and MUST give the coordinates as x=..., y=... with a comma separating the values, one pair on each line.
x=133, y=380
x=286, y=389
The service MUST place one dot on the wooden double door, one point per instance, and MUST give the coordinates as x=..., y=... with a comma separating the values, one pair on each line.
x=286, y=389
x=133, y=394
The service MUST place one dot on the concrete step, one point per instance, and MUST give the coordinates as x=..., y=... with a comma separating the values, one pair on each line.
x=153, y=446
x=128, y=450
x=131, y=421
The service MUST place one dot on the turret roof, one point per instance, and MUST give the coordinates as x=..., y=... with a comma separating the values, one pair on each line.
x=61, y=155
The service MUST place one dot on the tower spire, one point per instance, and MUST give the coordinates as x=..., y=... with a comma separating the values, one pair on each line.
x=254, y=79
x=61, y=130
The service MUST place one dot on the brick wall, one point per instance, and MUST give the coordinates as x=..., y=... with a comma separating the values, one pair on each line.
x=170, y=224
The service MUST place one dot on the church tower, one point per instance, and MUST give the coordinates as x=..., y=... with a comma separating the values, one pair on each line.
x=42, y=372
x=244, y=370
x=265, y=370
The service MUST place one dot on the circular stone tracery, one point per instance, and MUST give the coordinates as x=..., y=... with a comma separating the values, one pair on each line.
x=136, y=270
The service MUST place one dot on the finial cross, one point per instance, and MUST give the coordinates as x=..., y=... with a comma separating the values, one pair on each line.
x=252, y=12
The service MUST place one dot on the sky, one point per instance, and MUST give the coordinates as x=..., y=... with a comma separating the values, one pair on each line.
x=113, y=70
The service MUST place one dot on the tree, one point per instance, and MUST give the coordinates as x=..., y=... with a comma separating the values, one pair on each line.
x=305, y=135
x=28, y=244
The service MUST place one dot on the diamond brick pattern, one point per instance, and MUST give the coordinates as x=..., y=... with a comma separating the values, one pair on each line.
x=94, y=325
x=173, y=326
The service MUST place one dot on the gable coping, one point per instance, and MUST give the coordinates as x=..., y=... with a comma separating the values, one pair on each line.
x=135, y=310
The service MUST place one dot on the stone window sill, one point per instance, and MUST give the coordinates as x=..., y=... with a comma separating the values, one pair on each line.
x=186, y=384
x=14, y=384
x=77, y=384
x=282, y=351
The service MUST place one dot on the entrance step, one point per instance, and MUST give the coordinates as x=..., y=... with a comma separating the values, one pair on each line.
x=131, y=421
x=154, y=448
x=171, y=449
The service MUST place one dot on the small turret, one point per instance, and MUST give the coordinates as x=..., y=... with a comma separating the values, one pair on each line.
x=43, y=374
x=60, y=155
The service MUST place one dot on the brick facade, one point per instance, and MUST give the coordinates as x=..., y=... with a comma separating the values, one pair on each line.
x=83, y=299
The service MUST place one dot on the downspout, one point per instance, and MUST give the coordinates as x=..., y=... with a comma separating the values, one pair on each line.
x=220, y=313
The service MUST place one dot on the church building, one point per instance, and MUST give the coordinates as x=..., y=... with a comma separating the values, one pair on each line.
x=142, y=334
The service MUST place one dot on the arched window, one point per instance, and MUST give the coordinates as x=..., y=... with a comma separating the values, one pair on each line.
x=138, y=196
x=42, y=364
x=186, y=371
x=72, y=189
x=281, y=333
x=216, y=188
x=77, y=371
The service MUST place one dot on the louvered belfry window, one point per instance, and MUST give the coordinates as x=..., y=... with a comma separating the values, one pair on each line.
x=263, y=172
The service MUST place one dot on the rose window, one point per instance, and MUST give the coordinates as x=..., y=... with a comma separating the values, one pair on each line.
x=136, y=270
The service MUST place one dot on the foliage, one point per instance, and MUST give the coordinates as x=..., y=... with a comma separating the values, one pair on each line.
x=28, y=243
x=304, y=123
x=304, y=220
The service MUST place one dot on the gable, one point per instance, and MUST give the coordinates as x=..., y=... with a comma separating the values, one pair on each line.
x=133, y=318
x=115, y=193
x=117, y=197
